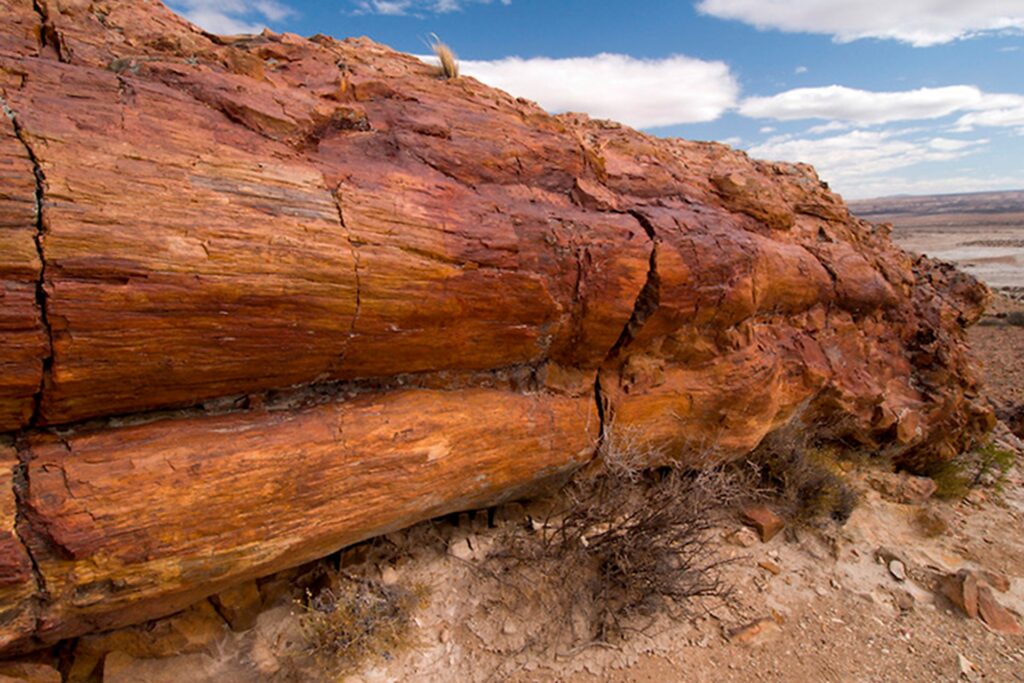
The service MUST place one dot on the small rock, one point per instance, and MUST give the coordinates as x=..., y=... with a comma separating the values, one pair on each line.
x=962, y=590
x=239, y=606
x=755, y=633
x=388, y=575
x=999, y=582
x=461, y=549
x=904, y=600
x=994, y=615
x=968, y=671
x=29, y=672
x=902, y=488
x=886, y=555
x=898, y=570
x=767, y=523
x=743, y=537
x=445, y=635
x=916, y=490
x=119, y=667
x=193, y=630
x=770, y=567
x=510, y=628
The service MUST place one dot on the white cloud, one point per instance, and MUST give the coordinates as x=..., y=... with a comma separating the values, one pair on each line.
x=800, y=70
x=415, y=7
x=840, y=103
x=232, y=16
x=918, y=22
x=887, y=186
x=854, y=161
x=997, y=116
x=847, y=106
x=830, y=127
x=643, y=93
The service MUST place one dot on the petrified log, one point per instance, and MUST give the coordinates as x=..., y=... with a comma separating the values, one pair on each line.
x=265, y=296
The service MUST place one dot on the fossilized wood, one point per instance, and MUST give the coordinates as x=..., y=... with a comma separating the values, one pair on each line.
x=23, y=343
x=265, y=296
x=137, y=522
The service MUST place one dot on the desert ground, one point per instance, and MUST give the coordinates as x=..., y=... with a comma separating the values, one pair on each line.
x=983, y=233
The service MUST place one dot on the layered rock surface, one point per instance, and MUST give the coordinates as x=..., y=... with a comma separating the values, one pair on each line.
x=265, y=296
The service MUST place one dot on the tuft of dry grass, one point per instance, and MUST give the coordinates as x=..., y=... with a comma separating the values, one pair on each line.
x=801, y=479
x=355, y=619
x=448, y=62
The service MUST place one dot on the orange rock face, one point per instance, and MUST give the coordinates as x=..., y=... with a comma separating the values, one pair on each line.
x=265, y=296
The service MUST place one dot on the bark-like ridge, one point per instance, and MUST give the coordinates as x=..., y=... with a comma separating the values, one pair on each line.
x=285, y=330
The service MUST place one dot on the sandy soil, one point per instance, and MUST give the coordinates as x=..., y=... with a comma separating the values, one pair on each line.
x=983, y=233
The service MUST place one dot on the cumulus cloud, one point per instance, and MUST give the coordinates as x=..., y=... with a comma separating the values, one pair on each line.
x=921, y=23
x=839, y=103
x=862, y=107
x=854, y=161
x=644, y=93
x=232, y=16
x=415, y=7
x=1010, y=116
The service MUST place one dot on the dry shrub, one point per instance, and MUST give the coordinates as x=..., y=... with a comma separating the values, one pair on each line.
x=448, y=62
x=619, y=544
x=801, y=479
x=354, y=619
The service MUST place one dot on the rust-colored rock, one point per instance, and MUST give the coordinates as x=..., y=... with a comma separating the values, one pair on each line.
x=264, y=296
x=902, y=487
x=995, y=616
x=962, y=590
x=764, y=520
x=191, y=631
x=28, y=672
x=239, y=605
x=755, y=633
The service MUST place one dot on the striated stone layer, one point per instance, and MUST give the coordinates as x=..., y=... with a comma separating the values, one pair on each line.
x=265, y=296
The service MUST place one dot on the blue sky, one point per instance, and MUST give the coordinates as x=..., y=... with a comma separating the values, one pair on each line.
x=883, y=96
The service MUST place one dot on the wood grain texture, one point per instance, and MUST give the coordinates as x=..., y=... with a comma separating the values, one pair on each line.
x=285, y=293
x=137, y=522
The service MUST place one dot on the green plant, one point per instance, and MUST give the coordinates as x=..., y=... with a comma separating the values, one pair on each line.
x=991, y=460
x=951, y=481
x=448, y=62
x=985, y=465
x=356, y=618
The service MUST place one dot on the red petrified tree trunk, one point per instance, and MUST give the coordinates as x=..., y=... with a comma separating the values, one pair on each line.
x=265, y=296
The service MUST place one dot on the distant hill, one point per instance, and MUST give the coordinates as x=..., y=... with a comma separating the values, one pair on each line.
x=1009, y=202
